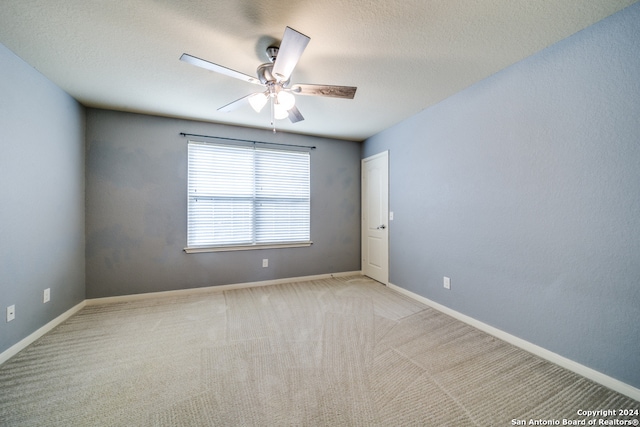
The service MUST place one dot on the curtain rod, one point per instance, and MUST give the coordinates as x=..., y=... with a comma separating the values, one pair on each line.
x=246, y=140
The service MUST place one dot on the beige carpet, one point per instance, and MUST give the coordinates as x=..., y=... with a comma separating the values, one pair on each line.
x=344, y=351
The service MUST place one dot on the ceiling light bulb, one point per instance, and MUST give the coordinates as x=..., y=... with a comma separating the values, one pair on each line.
x=286, y=99
x=279, y=112
x=257, y=101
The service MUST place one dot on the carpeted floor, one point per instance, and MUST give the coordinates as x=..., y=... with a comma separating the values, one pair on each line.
x=343, y=351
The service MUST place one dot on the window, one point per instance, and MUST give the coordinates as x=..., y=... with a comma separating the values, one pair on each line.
x=246, y=197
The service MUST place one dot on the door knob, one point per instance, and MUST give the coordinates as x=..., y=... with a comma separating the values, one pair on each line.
x=381, y=227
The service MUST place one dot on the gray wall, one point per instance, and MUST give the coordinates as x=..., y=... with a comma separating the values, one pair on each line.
x=525, y=190
x=41, y=199
x=137, y=206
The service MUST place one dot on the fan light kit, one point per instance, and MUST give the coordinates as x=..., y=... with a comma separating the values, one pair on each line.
x=274, y=77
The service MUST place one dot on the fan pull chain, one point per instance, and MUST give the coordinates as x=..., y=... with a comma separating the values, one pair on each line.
x=273, y=120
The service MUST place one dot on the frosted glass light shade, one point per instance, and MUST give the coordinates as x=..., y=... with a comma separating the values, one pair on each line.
x=258, y=101
x=279, y=112
x=286, y=99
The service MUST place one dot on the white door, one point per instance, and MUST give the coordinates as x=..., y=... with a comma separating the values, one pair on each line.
x=375, y=214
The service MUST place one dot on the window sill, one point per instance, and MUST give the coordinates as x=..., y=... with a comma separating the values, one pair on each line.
x=198, y=250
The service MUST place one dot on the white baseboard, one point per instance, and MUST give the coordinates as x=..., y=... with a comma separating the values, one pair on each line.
x=219, y=288
x=592, y=374
x=22, y=344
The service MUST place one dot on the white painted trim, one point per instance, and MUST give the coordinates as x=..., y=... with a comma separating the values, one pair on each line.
x=25, y=342
x=199, y=250
x=375, y=156
x=550, y=356
x=208, y=289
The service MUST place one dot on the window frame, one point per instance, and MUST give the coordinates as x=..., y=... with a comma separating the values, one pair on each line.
x=255, y=200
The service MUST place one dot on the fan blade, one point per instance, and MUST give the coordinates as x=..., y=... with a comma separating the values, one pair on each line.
x=218, y=69
x=295, y=115
x=291, y=48
x=347, y=92
x=235, y=104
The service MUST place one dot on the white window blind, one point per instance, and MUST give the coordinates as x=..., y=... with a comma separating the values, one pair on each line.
x=247, y=196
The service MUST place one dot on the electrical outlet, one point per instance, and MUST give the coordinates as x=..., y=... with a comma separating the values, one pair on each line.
x=447, y=283
x=46, y=296
x=265, y=262
x=11, y=313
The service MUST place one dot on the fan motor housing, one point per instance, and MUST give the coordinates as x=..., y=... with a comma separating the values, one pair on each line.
x=264, y=73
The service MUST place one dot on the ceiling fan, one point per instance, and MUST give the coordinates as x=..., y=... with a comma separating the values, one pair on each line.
x=274, y=77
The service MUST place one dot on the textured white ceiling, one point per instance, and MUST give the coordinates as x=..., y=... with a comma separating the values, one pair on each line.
x=403, y=55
